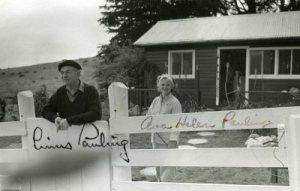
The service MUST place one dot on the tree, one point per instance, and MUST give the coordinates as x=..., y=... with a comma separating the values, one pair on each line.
x=261, y=6
x=130, y=19
x=250, y=6
x=289, y=5
x=126, y=64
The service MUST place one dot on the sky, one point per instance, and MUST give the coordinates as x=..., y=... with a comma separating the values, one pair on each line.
x=40, y=31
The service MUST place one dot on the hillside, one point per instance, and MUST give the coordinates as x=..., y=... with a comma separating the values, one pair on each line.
x=13, y=80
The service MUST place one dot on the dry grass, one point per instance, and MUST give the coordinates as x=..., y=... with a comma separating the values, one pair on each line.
x=13, y=80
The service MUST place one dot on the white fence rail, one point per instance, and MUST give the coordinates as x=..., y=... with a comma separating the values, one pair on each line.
x=51, y=161
x=120, y=123
x=104, y=162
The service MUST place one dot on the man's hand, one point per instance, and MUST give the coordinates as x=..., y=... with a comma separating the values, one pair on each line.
x=63, y=125
x=57, y=121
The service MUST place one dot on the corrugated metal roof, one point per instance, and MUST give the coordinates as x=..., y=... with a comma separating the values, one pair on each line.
x=224, y=28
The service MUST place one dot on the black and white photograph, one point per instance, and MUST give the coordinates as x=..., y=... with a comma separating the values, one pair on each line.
x=149, y=95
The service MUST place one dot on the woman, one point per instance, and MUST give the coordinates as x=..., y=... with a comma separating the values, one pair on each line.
x=165, y=103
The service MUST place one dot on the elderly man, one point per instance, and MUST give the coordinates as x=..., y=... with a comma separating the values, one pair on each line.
x=75, y=102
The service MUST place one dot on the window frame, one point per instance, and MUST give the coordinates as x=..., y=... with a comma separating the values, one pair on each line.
x=176, y=76
x=276, y=74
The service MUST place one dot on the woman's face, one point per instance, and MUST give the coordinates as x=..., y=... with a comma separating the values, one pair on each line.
x=165, y=86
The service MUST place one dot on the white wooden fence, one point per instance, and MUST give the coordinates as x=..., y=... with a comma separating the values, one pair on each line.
x=51, y=160
x=112, y=170
x=121, y=124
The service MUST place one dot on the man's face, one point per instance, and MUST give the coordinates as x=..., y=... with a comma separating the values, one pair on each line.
x=69, y=74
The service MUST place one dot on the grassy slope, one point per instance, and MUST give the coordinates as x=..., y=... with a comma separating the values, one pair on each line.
x=13, y=80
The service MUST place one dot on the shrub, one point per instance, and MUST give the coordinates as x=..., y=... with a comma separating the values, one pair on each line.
x=126, y=64
x=40, y=100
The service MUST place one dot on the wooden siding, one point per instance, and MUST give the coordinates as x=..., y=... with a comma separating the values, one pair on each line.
x=273, y=84
x=273, y=88
x=205, y=58
x=160, y=58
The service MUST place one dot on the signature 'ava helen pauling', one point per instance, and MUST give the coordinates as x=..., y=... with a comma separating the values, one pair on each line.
x=230, y=119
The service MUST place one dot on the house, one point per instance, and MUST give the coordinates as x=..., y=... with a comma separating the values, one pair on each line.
x=255, y=52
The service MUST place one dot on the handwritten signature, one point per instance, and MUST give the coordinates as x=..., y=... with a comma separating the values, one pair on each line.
x=38, y=136
x=87, y=141
x=148, y=124
x=96, y=140
x=230, y=118
x=194, y=123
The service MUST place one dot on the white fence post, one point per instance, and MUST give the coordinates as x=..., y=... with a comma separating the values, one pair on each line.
x=26, y=110
x=118, y=106
x=293, y=134
x=26, y=105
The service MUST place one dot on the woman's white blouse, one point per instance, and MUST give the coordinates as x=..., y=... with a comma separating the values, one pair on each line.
x=166, y=105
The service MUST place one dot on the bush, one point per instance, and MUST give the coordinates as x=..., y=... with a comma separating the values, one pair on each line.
x=126, y=64
x=40, y=100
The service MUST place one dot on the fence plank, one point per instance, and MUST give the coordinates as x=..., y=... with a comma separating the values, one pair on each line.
x=6, y=185
x=203, y=121
x=26, y=110
x=13, y=128
x=13, y=155
x=293, y=133
x=152, y=186
x=118, y=106
x=92, y=169
x=205, y=157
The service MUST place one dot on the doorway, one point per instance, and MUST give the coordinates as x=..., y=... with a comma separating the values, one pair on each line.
x=232, y=73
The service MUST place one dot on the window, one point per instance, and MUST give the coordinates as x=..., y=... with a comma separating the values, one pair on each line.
x=262, y=62
x=182, y=64
x=275, y=63
x=284, y=62
x=255, y=64
x=289, y=61
x=296, y=62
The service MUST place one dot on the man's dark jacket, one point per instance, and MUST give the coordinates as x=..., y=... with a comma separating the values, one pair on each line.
x=85, y=108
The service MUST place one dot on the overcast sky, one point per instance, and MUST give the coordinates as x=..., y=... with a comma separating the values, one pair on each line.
x=39, y=31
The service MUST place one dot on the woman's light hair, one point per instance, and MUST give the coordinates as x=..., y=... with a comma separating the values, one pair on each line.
x=165, y=76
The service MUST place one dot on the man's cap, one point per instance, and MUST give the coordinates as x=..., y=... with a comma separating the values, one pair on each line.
x=69, y=63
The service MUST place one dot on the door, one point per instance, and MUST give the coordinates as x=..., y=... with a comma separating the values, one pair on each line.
x=232, y=73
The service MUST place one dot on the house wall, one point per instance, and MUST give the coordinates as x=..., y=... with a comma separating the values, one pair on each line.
x=272, y=90
x=205, y=59
x=273, y=84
